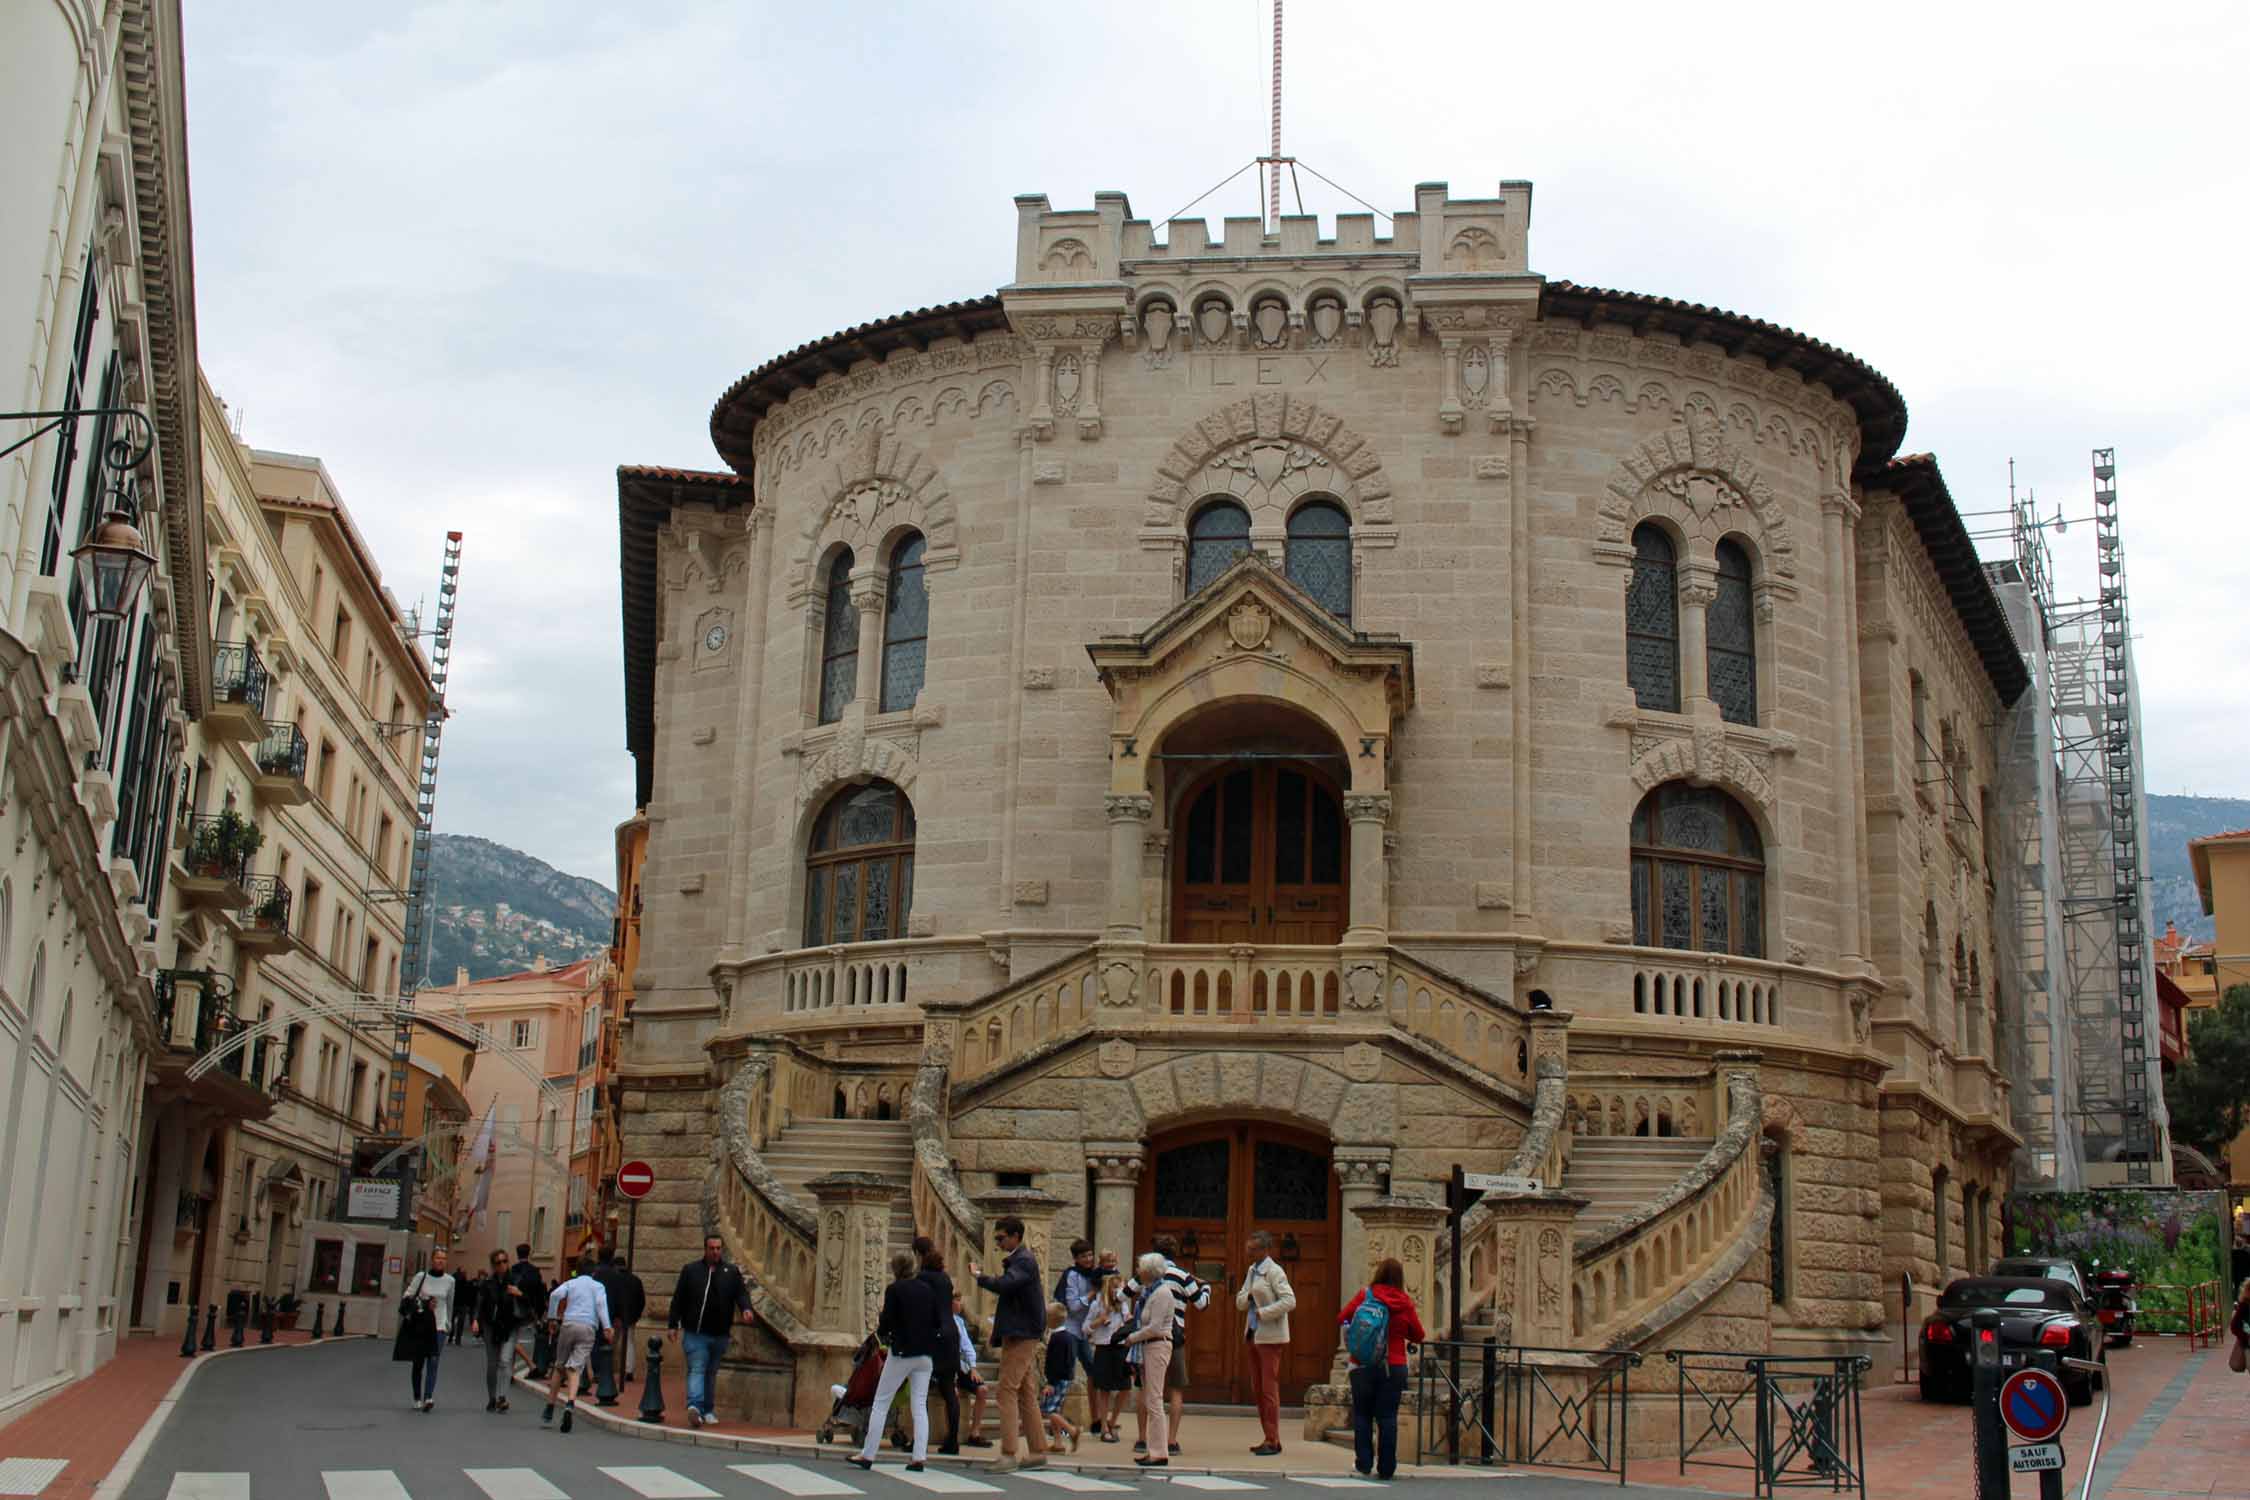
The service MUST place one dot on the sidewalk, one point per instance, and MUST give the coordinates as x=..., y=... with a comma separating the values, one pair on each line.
x=86, y=1426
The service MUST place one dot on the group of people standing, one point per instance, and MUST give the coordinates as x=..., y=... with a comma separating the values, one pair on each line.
x=1121, y=1333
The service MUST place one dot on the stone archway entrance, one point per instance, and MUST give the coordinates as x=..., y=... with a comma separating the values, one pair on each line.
x=1209, y=1186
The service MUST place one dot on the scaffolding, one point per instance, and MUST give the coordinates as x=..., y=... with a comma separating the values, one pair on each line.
x=2086, y=1046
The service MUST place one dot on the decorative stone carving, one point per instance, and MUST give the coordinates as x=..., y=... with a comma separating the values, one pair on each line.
x=1269, y=323
x=1117, y=1057
x=1493, y=895
x=1492, y=466
x=1067, y=383
x=1030, y=893
x=1325, y=322
x=1048, y=471
x=1492, y=674
x=1267, y=451
x=1214, y=322
x=1363, y=986
x=1476, y=376
x=1362, y=1166
x=1367, y=806
x=1121, y=806
x=1362, y=1061
x=1114, y=1161
x=1038, y=679
x=879, y=484
x=1249, y=624
x=1527, y=962
x=854, y=756
x=1706, y=484
x=1383, y=321
x=1121, y=984
x=1156, y=335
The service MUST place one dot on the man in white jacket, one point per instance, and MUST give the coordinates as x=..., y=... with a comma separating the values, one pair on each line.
x=1266, y=1299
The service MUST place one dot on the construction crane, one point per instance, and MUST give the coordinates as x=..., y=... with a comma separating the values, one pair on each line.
x=418, y=867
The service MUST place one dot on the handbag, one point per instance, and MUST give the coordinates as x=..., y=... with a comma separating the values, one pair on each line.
x=417, y=1326
x=2237, y=1359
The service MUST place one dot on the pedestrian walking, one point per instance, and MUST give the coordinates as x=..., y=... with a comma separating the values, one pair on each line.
x=1019, y=1323
x=1378, y=1323
x=1156, y=1305
x=606, y=1354
x=531, y=1302
x=911, y=1327
x=628, y=1304
x=428, y=1305
x=579, y=1309
x=1062, y=1367
x=945, y=1360
x=707, y=1300
x=1266, y=1300
x=464, y=1304
x=2238, y=1358
x=499, y=1309
x=1107, y=1323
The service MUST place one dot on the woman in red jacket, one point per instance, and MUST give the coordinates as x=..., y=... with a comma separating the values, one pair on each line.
x=1376, y=1392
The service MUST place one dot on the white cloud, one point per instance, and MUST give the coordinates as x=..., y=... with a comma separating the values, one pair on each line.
x=477, y=255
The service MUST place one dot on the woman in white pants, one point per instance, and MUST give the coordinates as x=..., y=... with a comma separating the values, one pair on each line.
x=909, y=1330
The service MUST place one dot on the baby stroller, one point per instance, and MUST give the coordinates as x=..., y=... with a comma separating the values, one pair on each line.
x=849, y=1416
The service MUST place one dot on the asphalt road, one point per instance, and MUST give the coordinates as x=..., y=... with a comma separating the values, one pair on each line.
x=331, y=1422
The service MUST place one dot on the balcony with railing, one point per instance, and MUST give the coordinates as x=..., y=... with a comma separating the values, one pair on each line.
x=280, y=758
x=215, y=850
x=263, y=925
x=239, y=683
x=195, y=1018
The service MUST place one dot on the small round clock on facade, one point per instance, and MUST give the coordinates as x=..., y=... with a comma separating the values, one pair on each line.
x=715, y=638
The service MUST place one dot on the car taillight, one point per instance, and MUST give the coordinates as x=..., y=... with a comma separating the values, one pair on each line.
x=2056, y=1335
x=1937, y=1332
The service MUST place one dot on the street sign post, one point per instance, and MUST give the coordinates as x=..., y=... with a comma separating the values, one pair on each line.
x=2033, y=1405
x=635, y=1181
x=1498, y=1182
x=2035, y=1458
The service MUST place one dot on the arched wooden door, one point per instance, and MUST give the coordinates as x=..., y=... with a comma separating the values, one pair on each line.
x=1260, y=858
x=1208, y=1186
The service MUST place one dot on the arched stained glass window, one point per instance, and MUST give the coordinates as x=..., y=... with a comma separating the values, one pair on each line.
x=1698, y=873
x=1652, y=622
x=859, y=869
x=1318, y=556
x=839, y=642
x=1218, y=534
x=1730, y=637
x=906, y=627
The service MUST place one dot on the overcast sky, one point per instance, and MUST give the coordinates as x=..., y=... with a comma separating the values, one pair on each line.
x=477, y=255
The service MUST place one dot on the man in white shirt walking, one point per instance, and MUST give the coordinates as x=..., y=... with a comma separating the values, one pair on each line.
x=580, y=1310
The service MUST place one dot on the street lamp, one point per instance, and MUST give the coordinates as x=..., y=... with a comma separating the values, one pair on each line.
x=113, y=567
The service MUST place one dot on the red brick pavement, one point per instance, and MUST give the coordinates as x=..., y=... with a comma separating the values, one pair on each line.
x=2203, y=1448
x=90, y=1423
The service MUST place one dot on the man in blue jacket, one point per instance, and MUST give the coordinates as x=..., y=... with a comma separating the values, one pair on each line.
x=1019, y=1322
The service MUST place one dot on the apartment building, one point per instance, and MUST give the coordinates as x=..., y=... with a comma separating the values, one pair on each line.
x=293, y=838
x=98, y=442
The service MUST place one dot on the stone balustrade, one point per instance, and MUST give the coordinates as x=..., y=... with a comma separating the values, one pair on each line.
x=942, y=1209
x=1713, y=994
x=774, y=1233
x=1052, y=1002
x=1621, y=1104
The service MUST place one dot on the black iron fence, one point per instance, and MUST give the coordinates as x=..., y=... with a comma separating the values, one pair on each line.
x=282, y=751
x=1494, y=1403
x=268, y=911
x=1792, y=1421
x=237, y=675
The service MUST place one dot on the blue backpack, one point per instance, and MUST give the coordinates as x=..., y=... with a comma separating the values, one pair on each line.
x=1367, y=1338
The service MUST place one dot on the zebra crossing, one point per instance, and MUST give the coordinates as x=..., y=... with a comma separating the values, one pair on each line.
x=751, y=1481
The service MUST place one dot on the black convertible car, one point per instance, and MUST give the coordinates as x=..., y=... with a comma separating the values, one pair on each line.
x=2036, y=1313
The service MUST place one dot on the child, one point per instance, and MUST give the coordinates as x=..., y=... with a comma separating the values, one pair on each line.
x=970, y=1383
x=1107, y=1323
x=1062, y=1364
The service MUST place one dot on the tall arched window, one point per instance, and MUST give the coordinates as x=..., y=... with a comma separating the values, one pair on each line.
x=1652, y=622
x=859, y=869
x=1730, y=651
x=839, y=642
x=906, y=627
x=1219, y=533
x=1699, y=877
x=1318, y=556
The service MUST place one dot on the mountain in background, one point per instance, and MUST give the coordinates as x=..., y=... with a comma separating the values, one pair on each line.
x=2172, y=821
x=496, y=910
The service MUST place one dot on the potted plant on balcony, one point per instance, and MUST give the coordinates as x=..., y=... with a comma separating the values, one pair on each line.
x=272, y=914
x=223, y=844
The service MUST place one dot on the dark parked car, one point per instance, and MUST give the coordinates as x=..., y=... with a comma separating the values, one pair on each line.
x=2036, y=1313
x=2053, y=1267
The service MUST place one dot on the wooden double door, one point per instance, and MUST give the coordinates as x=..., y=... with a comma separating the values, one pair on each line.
x=1259, y=857
x=1208, y=1187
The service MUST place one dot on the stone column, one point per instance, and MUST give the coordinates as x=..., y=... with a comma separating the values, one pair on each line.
x=1550, y=1037
x=1116, y=1166
x=867, y=583
x=1129, y=814
x=1406, y=1229
x=1698, y=587
x=852, y=1250
x=1361, y=1174
x=1538, y=1227
x=1370, y=815
x=1836, y=513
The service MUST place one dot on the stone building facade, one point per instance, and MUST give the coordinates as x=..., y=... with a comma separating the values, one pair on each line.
x=1225, y=730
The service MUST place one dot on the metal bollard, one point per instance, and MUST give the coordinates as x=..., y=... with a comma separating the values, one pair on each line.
x=187, y=1339
x=211, y=1328
x=238, y=1317
x=339, y=1331
x=265, y=1324
x=1990, y=1476
x=320, y=1317
x=1485, y=1400
x=605, y=1372
x=652, y=1383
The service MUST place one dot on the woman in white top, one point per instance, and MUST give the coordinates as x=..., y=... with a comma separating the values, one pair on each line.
x=434, y=1289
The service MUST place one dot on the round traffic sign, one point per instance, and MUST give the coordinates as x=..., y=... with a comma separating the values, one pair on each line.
x=2033, y=1405
x=635, y=1179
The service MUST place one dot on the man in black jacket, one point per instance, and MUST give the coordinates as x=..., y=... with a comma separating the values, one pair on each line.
x=705, y=1303
x=628, y=1300
x=1019, y=1322
x=531, y=1309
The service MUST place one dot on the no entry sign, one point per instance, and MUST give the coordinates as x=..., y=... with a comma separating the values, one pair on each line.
x=2033, y=1405
x=635, y=1180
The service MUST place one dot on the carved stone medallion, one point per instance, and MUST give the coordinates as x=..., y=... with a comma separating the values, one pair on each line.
x=1249, y=624
x=1117, y=1057
x=1272, y=323
x=1382, y=332
x=1363, y=1062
